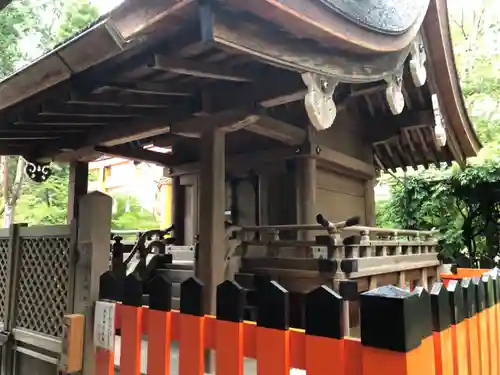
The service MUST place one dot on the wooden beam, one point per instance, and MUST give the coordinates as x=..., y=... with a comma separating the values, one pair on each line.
x=82, y=110
x=278, y=130
x=380, y=154
x=124, y=132
x=145, y=88
x=241, y=118
x=398, y=160
x=129, y=100
x=383, y=128
x=270, y=44
x=149, y=130
x=243, y=161
x=136, y=18
x=62, y=122
x=198, y=69
x=271, y=90
x=227, y=121
x=345, y=162
x=139, y=154
x=110, y=136
x=166, y=140
x=29, y=137
x=41, y=130
x=428, y=151
x=405, y=154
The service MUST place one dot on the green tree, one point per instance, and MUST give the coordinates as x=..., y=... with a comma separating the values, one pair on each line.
x=129, y=214
x=45, y=203
x=76, y=15
x=39, y=25
x=17, y=21
x=475, y=28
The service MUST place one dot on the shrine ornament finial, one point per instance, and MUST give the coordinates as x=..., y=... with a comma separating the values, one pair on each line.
x=318, y=101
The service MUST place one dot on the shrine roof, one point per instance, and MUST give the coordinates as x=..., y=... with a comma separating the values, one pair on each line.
x=149, y=71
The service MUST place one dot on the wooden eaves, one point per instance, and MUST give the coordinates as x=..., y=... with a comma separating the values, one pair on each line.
x=161, y=72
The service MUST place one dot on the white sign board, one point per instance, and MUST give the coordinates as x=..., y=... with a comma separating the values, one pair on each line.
x=104, y=325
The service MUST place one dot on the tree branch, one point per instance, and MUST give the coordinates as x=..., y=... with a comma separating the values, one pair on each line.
x=18, y=182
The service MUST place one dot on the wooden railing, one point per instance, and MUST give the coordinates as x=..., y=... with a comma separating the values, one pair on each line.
x=356, y=252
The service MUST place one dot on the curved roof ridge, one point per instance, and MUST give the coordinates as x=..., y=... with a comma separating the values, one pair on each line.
x=438, y=41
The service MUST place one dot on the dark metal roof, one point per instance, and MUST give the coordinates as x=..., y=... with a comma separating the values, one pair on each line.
x=393, y=17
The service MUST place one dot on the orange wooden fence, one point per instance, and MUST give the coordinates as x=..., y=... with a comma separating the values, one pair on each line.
x=450, y=330
x=462, y=273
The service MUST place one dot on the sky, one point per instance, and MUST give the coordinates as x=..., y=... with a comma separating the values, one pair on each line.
x=106, y=5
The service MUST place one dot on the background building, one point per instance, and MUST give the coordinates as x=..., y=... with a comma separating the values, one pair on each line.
x=125, y=178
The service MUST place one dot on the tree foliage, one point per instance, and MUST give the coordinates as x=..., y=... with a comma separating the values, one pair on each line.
x=129, y=214
x=77, y=15
x=17, y=22
x=47, y=203
x=461, y=204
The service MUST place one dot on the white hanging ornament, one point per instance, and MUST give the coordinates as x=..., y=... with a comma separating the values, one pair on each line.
x=417, y=62
x=439, y=129
x=394, y=94
x=318, y=101
x=440, y=135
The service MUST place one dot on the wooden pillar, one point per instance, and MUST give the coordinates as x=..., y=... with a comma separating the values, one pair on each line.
x=77, y=187
x=370, y=212
x=210, y=264
x=306, y=194
x=94, y=228
x=178, y=209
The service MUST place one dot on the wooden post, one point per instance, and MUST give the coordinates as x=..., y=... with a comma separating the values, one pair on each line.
x=178, y=210
x=408, y=349
x=306, y=197
x=472, y=326
x=94, y=228
x=441, y=327
x=77, y=187
x=458, y=328
x=211, y=217
x=370, y=212
x=482, y=327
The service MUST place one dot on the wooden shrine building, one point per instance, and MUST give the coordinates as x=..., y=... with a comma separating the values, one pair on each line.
x=275, y=111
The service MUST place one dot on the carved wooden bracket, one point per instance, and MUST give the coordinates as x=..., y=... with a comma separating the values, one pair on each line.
x=318, y=101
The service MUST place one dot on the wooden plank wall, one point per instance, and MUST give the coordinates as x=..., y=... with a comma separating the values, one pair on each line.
x=339, y=196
